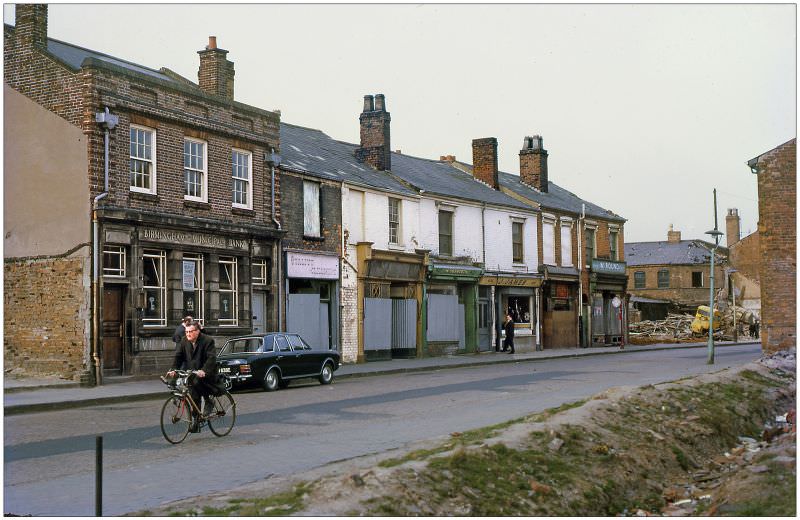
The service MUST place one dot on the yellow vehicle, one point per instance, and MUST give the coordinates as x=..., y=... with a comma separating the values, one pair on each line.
x=700, y=322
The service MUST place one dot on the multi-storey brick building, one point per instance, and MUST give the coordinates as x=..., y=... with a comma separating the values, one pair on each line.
x=675, y=271
x=580, y=258
x=777, y=220
x=133, y=197
x=744, y=261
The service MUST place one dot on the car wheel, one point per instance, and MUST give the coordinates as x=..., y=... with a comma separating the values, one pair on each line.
x=271, y=380
x=326, y=376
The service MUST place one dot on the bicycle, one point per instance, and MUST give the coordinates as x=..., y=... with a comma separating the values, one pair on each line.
x=177, y=412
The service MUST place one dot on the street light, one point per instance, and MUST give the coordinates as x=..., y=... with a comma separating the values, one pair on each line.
x=716, y=233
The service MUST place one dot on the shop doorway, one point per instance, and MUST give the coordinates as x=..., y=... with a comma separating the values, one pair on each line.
x=259, y=313
x=484, y=320
x=113, y=329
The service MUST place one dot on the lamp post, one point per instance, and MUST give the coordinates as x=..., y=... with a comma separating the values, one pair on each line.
x=716, y=233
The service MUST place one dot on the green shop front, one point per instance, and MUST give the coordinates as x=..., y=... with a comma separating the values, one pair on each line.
x=451, y=301
x=608, y=283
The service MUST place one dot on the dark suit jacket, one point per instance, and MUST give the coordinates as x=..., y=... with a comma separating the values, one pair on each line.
x=204, y=357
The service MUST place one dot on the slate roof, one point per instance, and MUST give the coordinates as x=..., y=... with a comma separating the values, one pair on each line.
x=666, y=253
x=556, y=198
x=310, y=151
x=440, y=178
x=73, y=56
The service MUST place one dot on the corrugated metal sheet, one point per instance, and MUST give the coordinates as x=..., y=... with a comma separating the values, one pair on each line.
x=404, y=324
x=377, y=313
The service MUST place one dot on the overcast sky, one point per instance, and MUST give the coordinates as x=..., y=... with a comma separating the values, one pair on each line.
x=644, y=109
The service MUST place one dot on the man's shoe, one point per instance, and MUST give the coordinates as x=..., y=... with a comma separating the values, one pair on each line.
x=208, y=408
x=194, y=427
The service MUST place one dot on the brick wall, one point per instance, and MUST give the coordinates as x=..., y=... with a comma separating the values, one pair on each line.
x=777, y=206
x=349, y=302
x=484, y=161
x=680, y=288
x=745, y=256
x=331, y=215
x=46, y=316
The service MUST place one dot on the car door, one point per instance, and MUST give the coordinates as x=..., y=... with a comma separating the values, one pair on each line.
x=309, y=361
x=288, y=360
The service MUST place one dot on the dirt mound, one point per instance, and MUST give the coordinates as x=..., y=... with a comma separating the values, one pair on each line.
x=721, y=443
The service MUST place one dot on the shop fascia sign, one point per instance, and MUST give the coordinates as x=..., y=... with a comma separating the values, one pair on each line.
x=300, y=265
x=510, y=281
x=608, y=266
x=184, y=238
x=455, y=272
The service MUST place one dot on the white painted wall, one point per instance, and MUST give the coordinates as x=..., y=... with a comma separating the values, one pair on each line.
x=499, y=253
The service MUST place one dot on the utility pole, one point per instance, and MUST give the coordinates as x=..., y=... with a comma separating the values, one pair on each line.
x=716, y=233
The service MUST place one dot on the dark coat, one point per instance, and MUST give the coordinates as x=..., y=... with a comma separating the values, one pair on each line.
x=180, y=333
x=204, y=357
x=509, y=328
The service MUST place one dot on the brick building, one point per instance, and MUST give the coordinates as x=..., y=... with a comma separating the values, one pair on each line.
x=160, y=202
x=674, y=270
x=744, y=261
x=777, y=220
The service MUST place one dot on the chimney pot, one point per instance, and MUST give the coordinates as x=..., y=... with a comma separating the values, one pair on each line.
x=380, y=103
x=212, y=42
x=369, y=103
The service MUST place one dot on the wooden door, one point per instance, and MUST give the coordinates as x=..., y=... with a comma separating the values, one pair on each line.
x=113, y=328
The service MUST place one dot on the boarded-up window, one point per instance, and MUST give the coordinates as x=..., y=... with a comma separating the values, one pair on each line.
x=548, y=243
x=566, y=244
x=311, y=225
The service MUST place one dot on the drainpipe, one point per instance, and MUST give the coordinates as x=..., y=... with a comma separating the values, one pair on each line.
x=275, y=160
x=108, y=122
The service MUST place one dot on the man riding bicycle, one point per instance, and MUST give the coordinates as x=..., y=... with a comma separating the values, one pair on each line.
x=197, y=352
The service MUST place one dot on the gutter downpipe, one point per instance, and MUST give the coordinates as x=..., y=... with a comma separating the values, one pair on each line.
x=108, y=122
x=275, y=159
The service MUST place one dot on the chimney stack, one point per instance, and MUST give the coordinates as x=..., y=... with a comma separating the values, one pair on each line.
x=215, y=75
x=533, y=163
x=484, y=161
x=375, y=121
x=31, y=24
x=733, y=227
x=673, y=236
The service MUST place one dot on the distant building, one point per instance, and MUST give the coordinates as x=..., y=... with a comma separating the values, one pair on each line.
x=674, y=270
x=744, y=263
x=777, y=221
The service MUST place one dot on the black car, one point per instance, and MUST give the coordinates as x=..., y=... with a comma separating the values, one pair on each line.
x=273, y=359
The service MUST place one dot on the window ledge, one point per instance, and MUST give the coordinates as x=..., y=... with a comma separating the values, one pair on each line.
x=313, y=238
x=397, y=247
x=195, y=204
x=243, y=212
x=138, y=195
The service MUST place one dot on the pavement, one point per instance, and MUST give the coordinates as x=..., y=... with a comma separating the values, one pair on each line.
x=31, y=395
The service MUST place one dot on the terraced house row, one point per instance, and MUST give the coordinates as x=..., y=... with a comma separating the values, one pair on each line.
x=135, y=196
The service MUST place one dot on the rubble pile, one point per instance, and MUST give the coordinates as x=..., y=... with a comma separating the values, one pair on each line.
x=676, y=326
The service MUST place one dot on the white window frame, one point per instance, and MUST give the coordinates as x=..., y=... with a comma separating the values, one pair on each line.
x=548, y=246
x=203, y=172
x=566, y=245
x=144, y=159
x=199, y=312
x=396, y=222
x=312, y=226
x=120, y=253
x=248, y=180
x=159, y=260
x=260, y=272
x=233, y=271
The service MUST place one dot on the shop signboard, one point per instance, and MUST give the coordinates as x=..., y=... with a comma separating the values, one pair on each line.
x=321, y=267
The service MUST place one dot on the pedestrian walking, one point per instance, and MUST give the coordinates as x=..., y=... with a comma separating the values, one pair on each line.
x=180, y=330
x=508, y=342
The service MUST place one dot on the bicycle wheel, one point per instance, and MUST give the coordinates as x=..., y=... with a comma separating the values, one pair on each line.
x=223, y=417
x=176, y=418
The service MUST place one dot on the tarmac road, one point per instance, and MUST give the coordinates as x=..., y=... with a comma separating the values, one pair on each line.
x=49, y=456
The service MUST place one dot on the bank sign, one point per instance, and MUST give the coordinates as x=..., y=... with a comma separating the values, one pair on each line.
x=299, y=265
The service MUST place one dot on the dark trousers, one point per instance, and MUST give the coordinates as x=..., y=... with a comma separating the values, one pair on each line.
x=508, y=343
x=201, y=388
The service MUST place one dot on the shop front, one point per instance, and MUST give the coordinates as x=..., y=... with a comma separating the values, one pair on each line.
x=452, y=308
x=516, y=295
x=560, y=305
x=312, y=297
x=607, y=287
x=390, y=302
x=152, y=275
